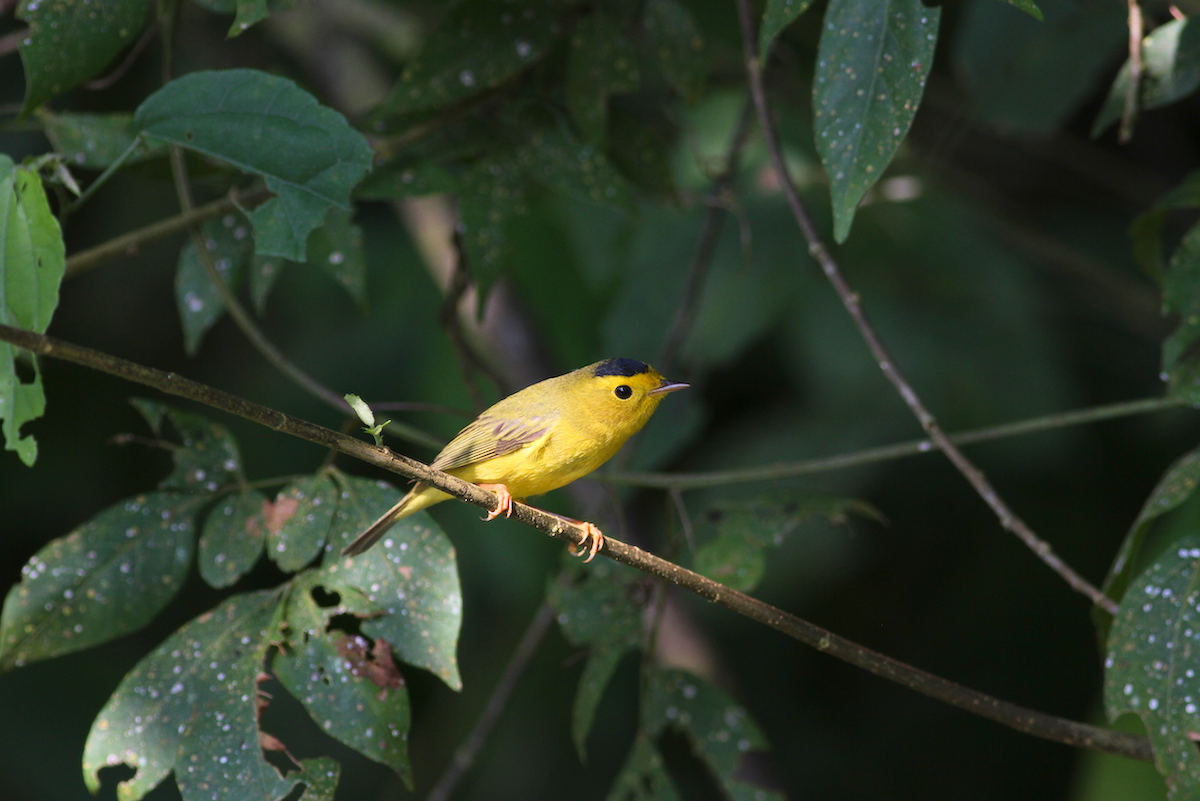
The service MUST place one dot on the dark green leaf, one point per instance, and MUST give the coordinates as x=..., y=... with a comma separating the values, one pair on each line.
x=1151, y=667
x=1170, y=71
x=353, y=690
x=776, y=16
x=242, y=117
x=337, y=249
x=190, y=706
x=1028, y=6
x=232, y=539
x=406, y=177
x=566, y=165
x=106, y=578
x=646, y=138
x=490, y=193
x=602, y=63
x=206, y=458
x=229, y=244
x=1146, y=229
x=32, y=262
x=678, y=45
x=298, y=521
x=719, y=730
x=734, y=553
x=643, y=777
x=479, y=45
x=93, y=141
x=248, y=13
x=601, y=664
x=1181, y=295
x=70, y=41
x=406, y=587
x=872, y=62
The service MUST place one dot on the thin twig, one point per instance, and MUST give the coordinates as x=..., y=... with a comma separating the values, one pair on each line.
x=853, y=304
x=1136, y=66
x=465, y=756
x=710, y=233
x=718, y=478
x=1022, y=719
x=130, y=243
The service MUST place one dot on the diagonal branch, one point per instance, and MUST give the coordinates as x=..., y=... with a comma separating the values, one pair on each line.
x=1023, y=719
x=853, y=303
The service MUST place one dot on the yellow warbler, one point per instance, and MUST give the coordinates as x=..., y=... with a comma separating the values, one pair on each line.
x=541, y=438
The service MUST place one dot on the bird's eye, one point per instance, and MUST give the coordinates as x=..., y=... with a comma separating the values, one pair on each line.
x=623, y=392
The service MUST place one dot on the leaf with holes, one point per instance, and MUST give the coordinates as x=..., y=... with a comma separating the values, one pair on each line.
x=352, y=689
x=32, y=262
x=232, y=538
x=108, y=577
x=229, y=244
x=241, y=117
x=298, y=521
x=191, y=707
x=70, y=41
x=206, y=458
x=1151, y=669
x=872, y=62
x=719, y=730
x=406, y=587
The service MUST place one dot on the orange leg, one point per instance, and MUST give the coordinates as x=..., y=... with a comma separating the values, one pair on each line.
x=505, y=500
x=593, y=541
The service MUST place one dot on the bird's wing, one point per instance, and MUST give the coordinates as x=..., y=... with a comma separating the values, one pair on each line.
x=489, y=437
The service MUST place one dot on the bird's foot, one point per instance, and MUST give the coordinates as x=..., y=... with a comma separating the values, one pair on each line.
x=593, y=541
x=504, y=501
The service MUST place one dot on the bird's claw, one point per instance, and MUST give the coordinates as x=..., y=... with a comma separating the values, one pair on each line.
x=504, y=501
x=593, y=541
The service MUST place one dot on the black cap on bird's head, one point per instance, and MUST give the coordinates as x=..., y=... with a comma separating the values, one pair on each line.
x=622, y=367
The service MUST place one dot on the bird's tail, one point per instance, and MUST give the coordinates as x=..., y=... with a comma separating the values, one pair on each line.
x=403, y=508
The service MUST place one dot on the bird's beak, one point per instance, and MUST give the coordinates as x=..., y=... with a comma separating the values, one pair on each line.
x=667, y=386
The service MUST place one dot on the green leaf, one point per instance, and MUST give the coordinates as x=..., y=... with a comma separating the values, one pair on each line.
x=307, y=153
x=601, y=63
x=1181, y=295
x=1146, y=229
x=229, y=243
x=1175, y=487
x=1151, y=667
x=643, y=777
x=479, y=45
x=1029, y=7
x=406, y=177
x=776, y=16
x=335, y=248
x=719, y=730
x=598, y=609
x=353, y=690
x=566, y=165
x=1170, y=71
x=406, y=587
x=678, y=45
x=299, y=520
x=206, y=458
x=598, y=670
x=93, y=141
x=872, y=62
x=741, y=532
x=108, y=577
x=32, y=262
x=490, y=193
x=190, y=706
x=232, y=539
x=70, y=41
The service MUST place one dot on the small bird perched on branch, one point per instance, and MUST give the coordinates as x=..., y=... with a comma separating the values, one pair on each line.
x=541, y=438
